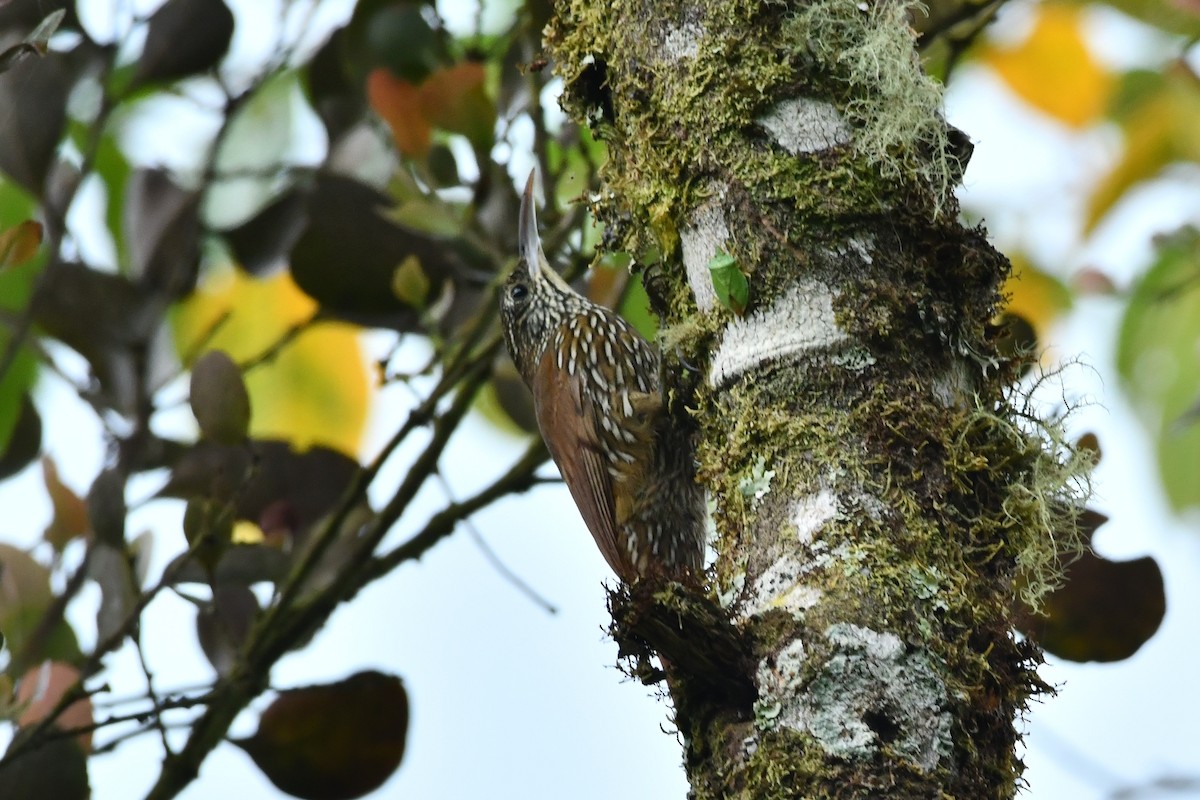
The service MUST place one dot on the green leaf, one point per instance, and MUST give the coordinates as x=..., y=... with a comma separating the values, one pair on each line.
x=635, y=308
x=410, y=284
x=113, y=168
x=731, y=285
x=1156, y=358
x=35, y=44
x=18, y=368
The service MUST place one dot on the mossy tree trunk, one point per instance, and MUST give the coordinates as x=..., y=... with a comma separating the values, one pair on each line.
x=879, y=503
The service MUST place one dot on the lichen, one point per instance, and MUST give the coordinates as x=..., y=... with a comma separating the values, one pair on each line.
x=912, y=498
x=895, y=106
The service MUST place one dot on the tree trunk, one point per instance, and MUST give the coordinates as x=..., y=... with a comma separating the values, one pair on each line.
x=880, y=499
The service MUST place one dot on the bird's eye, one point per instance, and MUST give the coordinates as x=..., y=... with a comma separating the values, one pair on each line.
x=518, y=292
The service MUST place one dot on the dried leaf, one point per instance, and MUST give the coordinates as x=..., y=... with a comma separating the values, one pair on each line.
x=70, y=512
x=333, y=742
x=19, y=243
x=454, y=100
x=399, y=104
x=40, y=690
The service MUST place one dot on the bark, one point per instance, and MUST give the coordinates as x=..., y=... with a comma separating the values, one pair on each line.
x=880, y=499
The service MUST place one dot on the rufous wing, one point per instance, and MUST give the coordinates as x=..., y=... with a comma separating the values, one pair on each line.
x=567, y=424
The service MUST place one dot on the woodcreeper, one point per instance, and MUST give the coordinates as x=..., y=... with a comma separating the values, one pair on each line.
x=597, y=394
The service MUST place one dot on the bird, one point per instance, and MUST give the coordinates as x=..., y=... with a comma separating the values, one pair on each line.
x=598, y=399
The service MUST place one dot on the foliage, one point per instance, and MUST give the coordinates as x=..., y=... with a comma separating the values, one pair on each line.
x=343, y=184
x=360, y=179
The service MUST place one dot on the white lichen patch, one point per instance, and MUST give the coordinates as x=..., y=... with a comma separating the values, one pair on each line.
x=782, y=586
x=811, y=513
x=755, y=485
x=862, y=246
x=682, y=41
x=855, y=359
x=799, y=322
x=871, y=692
x=781, y=675
x=700, y=242
x=805, y=125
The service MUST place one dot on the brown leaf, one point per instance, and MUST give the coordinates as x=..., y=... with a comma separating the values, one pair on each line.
x=1104, y=611
x=41, y=687
x=56, y=768
x=262, y=243
x=33, y=95
x=399, y=104
x=185, y=37
x=219, y=398
x=348, y=254
x=223, y=624
x=161, y=224
x=454, y=100
x=70, y=512
x=333, y=742
x=19, y=243
x=23, y=583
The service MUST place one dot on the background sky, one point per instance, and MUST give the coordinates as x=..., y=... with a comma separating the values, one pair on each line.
x=509, y=700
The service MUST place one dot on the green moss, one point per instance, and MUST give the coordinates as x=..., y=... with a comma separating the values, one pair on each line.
x=950, y=498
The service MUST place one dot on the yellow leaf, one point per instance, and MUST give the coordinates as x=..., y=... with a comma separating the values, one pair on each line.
x=1053, y=71
x=1159, y=116
x=312, y=388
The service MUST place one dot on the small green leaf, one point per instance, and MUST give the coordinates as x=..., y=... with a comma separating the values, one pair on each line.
x=40, y=37
x=36, y=43
x=730, y=283
x=410, y=283
x=1156, y=358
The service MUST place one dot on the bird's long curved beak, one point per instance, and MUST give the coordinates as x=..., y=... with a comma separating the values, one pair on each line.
x=530, y=245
